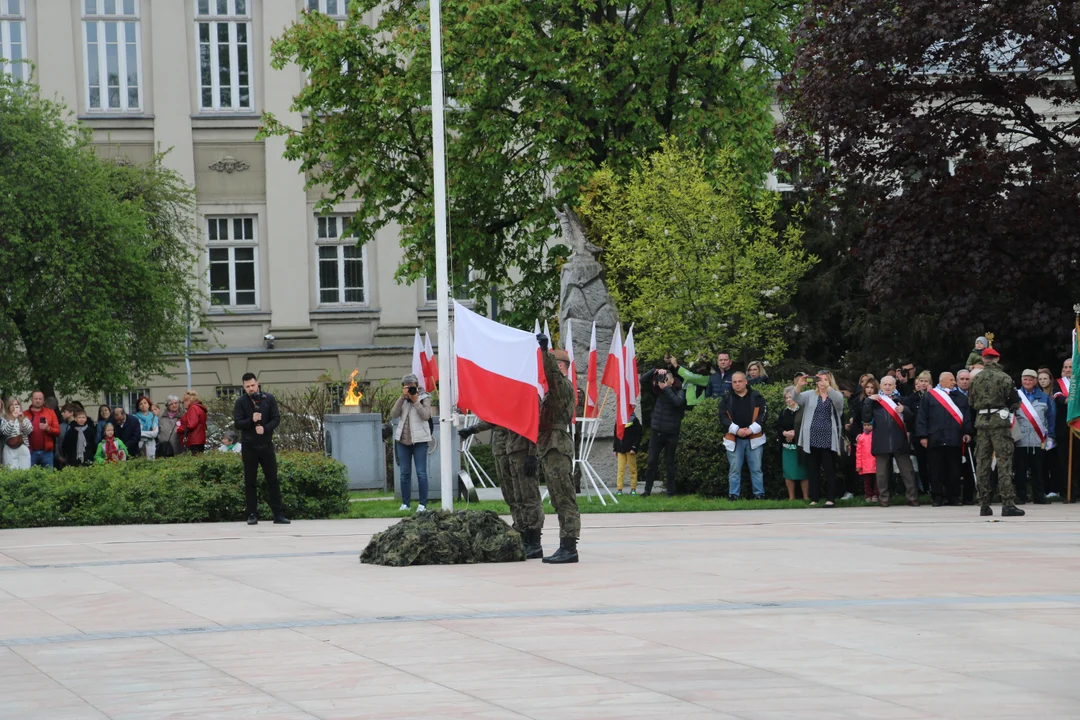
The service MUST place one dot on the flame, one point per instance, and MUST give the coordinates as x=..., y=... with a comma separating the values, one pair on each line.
x=354, y=395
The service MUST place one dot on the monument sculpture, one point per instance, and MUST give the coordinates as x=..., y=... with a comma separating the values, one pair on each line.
x=583, y=298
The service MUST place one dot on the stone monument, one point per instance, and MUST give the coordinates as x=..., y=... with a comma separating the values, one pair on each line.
x=583, y=298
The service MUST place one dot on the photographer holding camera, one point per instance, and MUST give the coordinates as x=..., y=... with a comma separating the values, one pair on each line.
x=256, y=416
x=664, y=425
x=411, y=438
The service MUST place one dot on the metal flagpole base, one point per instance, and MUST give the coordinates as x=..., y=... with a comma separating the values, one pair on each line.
x=478, y=472
x=589, y=429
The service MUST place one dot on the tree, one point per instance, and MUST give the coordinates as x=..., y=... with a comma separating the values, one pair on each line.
x=539, y=94
x=694, y=260
x=955, y=121
x=95, y=257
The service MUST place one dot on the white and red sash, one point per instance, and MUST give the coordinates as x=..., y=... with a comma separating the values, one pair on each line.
x=890, y=407
x=1063, y=387
x=1033, y=417
x=950, y=407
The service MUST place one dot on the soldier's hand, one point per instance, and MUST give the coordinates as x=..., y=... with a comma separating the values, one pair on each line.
x=466, y=432
x=530, y=466
x=542, y=340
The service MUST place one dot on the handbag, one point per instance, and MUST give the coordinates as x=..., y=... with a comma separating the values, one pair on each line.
x=15, y=441
x=165, y=449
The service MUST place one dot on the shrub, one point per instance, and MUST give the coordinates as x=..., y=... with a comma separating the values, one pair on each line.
x=205, y=488
x=701, y=460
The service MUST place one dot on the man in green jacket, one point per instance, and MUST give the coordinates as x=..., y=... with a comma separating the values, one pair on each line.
x=693, y=383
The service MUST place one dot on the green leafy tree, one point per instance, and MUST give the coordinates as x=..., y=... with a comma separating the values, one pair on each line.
x=95, y=257
x=693, y=259
x=539, y=95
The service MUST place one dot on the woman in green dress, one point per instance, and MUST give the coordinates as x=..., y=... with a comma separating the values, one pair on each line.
x=794, y=466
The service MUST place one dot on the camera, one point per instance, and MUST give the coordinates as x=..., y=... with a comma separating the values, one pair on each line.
x=412, y=389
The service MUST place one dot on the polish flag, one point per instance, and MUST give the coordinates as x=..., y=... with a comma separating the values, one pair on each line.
x=419, y=364
x=615, y=378
x=633, y=382
x=568, y=346
x=432, y=361
x=592, y=394
x=497, y=372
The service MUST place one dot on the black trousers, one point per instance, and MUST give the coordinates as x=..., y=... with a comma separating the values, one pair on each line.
x=923, y=475
x=1025, y=460
x=967, y=476
x=661, y=441
x=821, y=460
x=944, y=468
x=254, y=456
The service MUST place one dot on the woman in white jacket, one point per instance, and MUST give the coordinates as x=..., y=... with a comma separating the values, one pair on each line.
x=15, y=431
x=411, y=438
x=821, y=433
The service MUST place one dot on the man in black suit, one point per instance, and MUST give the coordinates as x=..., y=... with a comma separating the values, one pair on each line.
x=943, y=426
x=255, y=415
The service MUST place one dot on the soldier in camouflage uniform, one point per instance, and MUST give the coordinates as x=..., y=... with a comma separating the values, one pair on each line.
x=993, y=399
x=521, y=493
x=555, y=450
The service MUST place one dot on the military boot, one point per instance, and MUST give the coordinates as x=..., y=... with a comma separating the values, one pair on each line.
x=986, y=511
x=533, y=549
x=1011, y=511
x=567, y=552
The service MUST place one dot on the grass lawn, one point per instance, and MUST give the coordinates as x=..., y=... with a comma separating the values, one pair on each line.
x=388, y=508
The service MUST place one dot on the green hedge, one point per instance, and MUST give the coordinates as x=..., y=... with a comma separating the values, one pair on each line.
x=701, y=460
x=206, y=488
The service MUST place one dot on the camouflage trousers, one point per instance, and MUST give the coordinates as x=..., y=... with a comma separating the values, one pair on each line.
x=522, y=494
x=991, y=442
x=558, y=470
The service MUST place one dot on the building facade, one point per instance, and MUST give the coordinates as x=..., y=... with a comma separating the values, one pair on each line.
x=193, y=77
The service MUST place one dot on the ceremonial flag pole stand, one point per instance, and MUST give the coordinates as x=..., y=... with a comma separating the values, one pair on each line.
x=478, y=472
x=589, y=428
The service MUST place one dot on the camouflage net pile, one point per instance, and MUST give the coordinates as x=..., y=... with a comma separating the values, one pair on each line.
x=442, y=537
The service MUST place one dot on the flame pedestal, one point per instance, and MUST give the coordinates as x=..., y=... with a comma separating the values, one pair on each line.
x=355, y=439
x=434, y=472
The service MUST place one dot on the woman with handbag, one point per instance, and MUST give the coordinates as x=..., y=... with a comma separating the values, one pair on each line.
x=15, y=430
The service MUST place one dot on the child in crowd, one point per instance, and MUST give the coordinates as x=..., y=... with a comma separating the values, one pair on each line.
x=77, y=446
x=866, y=465
x=148, y=424
x=229, y=442
x=110, y=449
x=626, y=454
x=975, y=356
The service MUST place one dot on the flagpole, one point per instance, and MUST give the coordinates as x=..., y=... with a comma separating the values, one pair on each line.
x=438, y=152
x=1068, y=493
x=604, y=401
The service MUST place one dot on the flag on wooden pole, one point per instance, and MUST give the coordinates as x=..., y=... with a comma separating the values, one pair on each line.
x=592, y=391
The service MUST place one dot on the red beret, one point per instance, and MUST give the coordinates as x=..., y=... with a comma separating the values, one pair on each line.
x=990, y=352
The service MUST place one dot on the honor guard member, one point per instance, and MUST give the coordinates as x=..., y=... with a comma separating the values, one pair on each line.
x=994, y=401
x=522, y=494
x=555, y=450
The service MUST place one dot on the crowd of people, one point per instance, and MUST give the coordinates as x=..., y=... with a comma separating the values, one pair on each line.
x=49, y=435
x=947, y=436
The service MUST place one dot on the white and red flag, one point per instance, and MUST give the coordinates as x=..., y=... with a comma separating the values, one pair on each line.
x=420, y=364
x=498, y=375
x=568, y=346
x=432, y=371
x=592, y=390
x=633, y=382
x=615, y=378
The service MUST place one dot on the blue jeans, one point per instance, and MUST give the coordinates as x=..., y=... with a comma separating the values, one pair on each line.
x=407, y=455
x=753, y=459
x=44, y=458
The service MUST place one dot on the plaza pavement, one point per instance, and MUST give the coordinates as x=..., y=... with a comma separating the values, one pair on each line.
x=894, y=614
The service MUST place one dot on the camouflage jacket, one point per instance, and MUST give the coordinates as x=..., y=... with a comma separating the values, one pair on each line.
x=556, y=411
x=992, y=389
x=500, y=436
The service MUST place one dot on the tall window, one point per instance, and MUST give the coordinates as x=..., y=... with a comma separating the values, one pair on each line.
x=223, y=34
x=341, y=263
x=336, y=8
x=233, y=257
x=113, y=64
x=460, y=290
x=128, y=399
x=13, y=39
